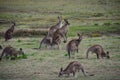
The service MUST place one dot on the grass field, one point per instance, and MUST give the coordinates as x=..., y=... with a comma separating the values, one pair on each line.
x=99, y=20
x=82, y=14
x=44, y=64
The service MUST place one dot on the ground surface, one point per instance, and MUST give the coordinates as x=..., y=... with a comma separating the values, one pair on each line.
x=99, y=20
x=44, y=64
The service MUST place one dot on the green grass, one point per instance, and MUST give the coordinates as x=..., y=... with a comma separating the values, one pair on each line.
x=44, y=64
x=93, y=29
x=94, y=18
x=44, y=13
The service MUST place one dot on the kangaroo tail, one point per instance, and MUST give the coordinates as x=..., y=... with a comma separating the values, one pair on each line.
x=83, y=71
x=87, y=53
x=68, y=50
x=43, y=40
x=1, y=55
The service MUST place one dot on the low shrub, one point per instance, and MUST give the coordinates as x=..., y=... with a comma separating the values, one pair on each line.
x=107, y=24
x=98, y=14
x=22, y=33
x=96, y=24
x=96, y=35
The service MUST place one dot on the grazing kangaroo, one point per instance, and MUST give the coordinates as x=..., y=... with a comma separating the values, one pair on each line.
x=44, y=41
x=9, y=33
x=98, y=50
x=72, y=46
x=48, y=38
x=72, y=67
x=11, y=52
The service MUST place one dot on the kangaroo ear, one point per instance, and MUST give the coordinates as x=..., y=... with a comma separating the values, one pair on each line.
x=20, y=49
x=81, y=34
x=13, y=22
x=1, y=47
x=61, y=69
x=107, y=52
x=60, y=17
x=78, y=34
x=65, y=19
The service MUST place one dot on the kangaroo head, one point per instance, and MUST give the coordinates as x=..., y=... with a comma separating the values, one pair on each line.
x=13, y=23
x=21, y=51
x=61, y=72
x=80, y=36
x=60, y=18
x=107, y=55
x=66, y=21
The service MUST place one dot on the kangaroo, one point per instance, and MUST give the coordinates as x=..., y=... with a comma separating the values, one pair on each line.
x=9, y=33
x=98, y=50
x=72, y=46
x=63, y=30
x=55, y=27
x=48, y=38
x=11, y=52
x=44, y=41
x=72, y=67
x=59, y=33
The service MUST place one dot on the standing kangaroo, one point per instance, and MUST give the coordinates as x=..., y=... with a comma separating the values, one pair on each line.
x=11, y=52
x=72, y=67
x=55, y=27
x=72, y=46
x=9, y=33
x=59, y=33
x=48, y=38
x=63, y=30
x=98, y=50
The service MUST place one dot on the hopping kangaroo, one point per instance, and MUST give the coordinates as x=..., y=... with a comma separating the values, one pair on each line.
x=11, y=52
x=48, y=38
x=59, y=33
x=9, y=33
x=72, y=67
x=72, y=46
x=98, y=50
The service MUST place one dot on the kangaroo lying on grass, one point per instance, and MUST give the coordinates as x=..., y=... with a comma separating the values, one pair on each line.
x=11, y=52
x=72, y=67
x=98, y=50
x=72, y=46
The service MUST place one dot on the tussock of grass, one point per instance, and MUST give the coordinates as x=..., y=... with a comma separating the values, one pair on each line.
x=18, y=57
x=96, y=35
x=23, y=56
x=23, y=33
